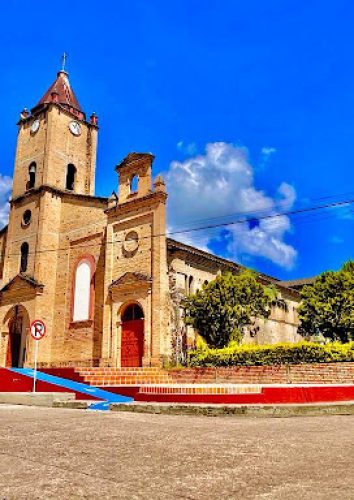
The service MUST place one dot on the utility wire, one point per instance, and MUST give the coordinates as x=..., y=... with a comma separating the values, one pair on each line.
x=210, y=226
x=265, y=217
x=272, y=207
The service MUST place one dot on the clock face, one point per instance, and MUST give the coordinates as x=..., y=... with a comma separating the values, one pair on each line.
x=35, y=126
x=75, y=128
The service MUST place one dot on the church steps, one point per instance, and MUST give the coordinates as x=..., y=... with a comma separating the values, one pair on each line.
x=106, y=376
x=124, y=376
x=110, y=376
x=130, y=379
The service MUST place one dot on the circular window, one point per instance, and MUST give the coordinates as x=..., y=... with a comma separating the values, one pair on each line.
x=131, y=242
x=26, y=219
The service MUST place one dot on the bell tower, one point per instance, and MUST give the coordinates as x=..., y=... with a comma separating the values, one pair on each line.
x=56, y=145
x=54, y=173
x=55, y=157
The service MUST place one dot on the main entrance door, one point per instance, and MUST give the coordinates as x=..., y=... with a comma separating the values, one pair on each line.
x=132, y=346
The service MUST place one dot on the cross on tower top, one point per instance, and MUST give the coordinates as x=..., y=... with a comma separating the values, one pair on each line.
x=63, y=61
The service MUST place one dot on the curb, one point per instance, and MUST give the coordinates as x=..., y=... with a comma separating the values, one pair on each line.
x=75, y=405
x=259, y=411
x=284, y=410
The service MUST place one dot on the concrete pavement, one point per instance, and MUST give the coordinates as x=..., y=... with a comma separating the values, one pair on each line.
x=67, y=454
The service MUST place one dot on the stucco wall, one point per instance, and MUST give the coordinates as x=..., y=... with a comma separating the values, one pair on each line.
x=187, y=267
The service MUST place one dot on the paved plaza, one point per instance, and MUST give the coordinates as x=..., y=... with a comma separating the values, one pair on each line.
x=68, y=454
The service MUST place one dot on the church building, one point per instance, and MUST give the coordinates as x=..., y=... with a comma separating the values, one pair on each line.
x=98, y=271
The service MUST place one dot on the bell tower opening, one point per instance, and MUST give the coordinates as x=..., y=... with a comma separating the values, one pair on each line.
x=135, y=176
x=134, y=184
x=24, y=257
x=32, y=175
x=70, y=177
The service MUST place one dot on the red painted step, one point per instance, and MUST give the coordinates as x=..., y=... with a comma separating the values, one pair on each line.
x=282, y=394
x=15, y=382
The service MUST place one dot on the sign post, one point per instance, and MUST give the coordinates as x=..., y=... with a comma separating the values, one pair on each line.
x=37, y=331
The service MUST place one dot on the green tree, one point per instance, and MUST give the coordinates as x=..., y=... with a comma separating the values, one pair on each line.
x=327, y=306
x=224, y=307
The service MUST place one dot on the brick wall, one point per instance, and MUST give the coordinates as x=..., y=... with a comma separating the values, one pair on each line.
x=317, y=373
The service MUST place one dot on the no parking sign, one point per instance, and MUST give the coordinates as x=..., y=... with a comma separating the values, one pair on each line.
x=37, y=331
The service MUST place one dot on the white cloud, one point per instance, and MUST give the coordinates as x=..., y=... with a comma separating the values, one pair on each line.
x=5, y=188
x=266, y=154
x=187, y=148
x=266, y=151
x=265, y=240
x=287, y=195
x=220, y=183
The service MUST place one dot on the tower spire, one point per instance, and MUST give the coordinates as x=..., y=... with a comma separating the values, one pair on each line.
x=61, y=92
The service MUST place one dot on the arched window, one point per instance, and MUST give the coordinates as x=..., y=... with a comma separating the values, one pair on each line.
x=134, y=184
x=83, y=290
x=31, y=175
x=132, y=313
x=24, y=257
x=70, y=177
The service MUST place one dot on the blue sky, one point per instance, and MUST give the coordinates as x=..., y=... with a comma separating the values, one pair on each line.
x=248, y=107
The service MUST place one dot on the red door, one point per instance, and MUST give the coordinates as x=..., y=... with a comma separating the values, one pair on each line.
x=132, y=343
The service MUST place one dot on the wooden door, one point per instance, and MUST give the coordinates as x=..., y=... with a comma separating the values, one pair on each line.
x=132, y=347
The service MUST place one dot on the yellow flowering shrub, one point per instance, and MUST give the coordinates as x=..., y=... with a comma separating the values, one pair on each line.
x=272, y=354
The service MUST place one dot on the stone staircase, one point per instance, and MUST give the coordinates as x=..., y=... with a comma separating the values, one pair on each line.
x=124, y=376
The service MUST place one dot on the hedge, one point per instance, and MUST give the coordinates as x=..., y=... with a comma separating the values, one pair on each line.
x=272, y=354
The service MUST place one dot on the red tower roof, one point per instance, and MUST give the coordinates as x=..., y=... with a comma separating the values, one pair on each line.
x=61, y=92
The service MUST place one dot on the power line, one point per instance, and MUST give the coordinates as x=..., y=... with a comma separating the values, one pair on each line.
x=272, y=207
x=288, y=213
x=264, y=217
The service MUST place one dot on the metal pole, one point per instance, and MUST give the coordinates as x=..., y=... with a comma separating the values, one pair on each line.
x=35, y=365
